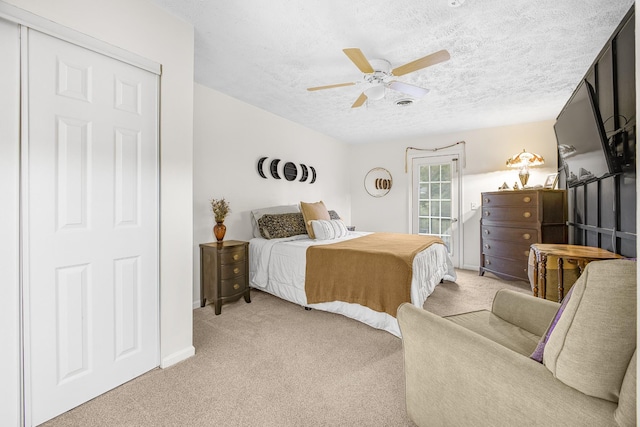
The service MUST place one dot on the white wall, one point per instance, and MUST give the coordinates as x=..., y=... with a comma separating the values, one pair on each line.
x=486, y=151
x=229, y=138
x=142, y=28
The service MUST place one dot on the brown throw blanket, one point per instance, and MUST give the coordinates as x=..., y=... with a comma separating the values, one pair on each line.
x=373, y=270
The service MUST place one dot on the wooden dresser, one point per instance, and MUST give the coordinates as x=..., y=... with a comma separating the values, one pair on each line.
x=512, y=221
x=224, y=272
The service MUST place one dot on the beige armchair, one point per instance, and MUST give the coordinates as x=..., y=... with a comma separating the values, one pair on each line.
x=474, y=369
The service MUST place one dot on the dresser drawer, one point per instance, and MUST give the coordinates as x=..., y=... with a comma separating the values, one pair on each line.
x=512, y=234
x=520, y=198
x=511, y=250
x=511, y=214
x=228, y=271
x=230, y=287
x=510, y=267
x=232, y=256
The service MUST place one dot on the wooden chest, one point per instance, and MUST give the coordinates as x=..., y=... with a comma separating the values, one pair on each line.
x=512, y=221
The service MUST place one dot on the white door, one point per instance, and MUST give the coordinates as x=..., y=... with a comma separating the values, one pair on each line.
x=91, y=225
x=435, y=202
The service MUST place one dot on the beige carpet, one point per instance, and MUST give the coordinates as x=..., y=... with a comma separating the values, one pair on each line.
x=272, y=363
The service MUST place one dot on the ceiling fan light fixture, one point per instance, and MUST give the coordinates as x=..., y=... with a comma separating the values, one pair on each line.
x=375, y=93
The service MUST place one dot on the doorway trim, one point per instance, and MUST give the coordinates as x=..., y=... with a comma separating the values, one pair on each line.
x=456, y=149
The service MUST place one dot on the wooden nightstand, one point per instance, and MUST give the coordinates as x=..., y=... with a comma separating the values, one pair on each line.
x=224, y=272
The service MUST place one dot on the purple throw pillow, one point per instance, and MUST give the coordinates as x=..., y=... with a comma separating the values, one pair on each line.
x=539, y=351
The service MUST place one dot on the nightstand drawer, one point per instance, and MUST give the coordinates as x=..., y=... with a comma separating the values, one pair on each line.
x=520, y=198
x=228, y=271
x=511, y=214
x=511, y=250
x=230, y=287
x=518, y=235
x=232, y=256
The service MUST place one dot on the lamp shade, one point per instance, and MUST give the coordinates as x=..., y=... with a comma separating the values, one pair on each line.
x=525, y=159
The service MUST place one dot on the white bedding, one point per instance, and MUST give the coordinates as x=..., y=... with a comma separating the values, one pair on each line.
x=277, y=266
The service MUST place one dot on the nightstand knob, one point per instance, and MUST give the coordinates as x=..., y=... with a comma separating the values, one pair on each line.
x=526, y=199
x=526, y=236
x=526, y=214
x=487, y=262
x=487, y=213
x=486, y=231
x=526, y=253
x=236, y=286
x=235, y=257
x=486, y=200
x=487, y=246
x=236, y=270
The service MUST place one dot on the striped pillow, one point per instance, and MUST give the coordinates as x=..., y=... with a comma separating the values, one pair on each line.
x=329, y=229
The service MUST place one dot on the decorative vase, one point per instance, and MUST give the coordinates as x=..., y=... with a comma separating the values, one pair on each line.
x=219, y=231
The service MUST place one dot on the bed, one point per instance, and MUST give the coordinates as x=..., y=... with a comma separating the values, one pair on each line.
x=278, y=266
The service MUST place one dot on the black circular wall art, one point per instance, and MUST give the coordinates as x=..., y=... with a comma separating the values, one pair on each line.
x=289, y=170
x=305, y=172
x=260, y=163
x=313, y=174
x=274, y=168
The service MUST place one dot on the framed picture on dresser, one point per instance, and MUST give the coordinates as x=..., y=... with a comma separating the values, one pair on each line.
x=552, y=181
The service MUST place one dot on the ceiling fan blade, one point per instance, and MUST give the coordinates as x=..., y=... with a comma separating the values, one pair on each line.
x=418, y=64
x=330, y=86
x=357, y=57
x=361, y=99
x=414, y=91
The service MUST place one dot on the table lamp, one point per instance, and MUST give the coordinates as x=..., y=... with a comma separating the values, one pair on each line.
x=524, y=160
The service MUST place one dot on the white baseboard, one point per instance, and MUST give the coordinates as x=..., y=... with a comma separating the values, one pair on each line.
x=177, y=357
x=470, y=267
x=196, y=304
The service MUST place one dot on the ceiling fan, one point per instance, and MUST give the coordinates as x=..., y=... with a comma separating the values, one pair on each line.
x=378, y=75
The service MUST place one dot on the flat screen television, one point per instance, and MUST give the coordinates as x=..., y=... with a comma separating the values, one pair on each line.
x=583, y=149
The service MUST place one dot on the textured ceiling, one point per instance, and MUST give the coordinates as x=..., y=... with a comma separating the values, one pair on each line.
x=512, y=61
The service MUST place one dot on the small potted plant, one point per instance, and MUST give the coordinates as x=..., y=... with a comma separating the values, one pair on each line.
x=220, y=209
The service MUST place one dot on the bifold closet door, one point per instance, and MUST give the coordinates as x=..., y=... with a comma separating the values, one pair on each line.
x=91, y=224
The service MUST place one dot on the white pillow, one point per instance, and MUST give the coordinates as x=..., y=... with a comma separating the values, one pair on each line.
x=256, y=214
x=328, y=229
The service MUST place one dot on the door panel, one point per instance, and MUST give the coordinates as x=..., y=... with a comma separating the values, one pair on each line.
x=91, y=246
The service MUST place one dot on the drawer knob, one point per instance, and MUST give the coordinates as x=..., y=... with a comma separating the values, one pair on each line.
x=236, y=256
x=486, y=231
x=526, y=199
x=486, y=200
x=487, y=246
x=526, y=214
x=487, y=213
x=487, y=262
x=236, y=270
x=526, y=253
x=236, y=286
x=526, y=236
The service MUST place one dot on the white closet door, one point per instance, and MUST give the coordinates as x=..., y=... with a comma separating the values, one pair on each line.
x=91, y=253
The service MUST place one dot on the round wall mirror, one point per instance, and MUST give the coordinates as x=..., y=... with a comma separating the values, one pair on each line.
x=378, y=182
